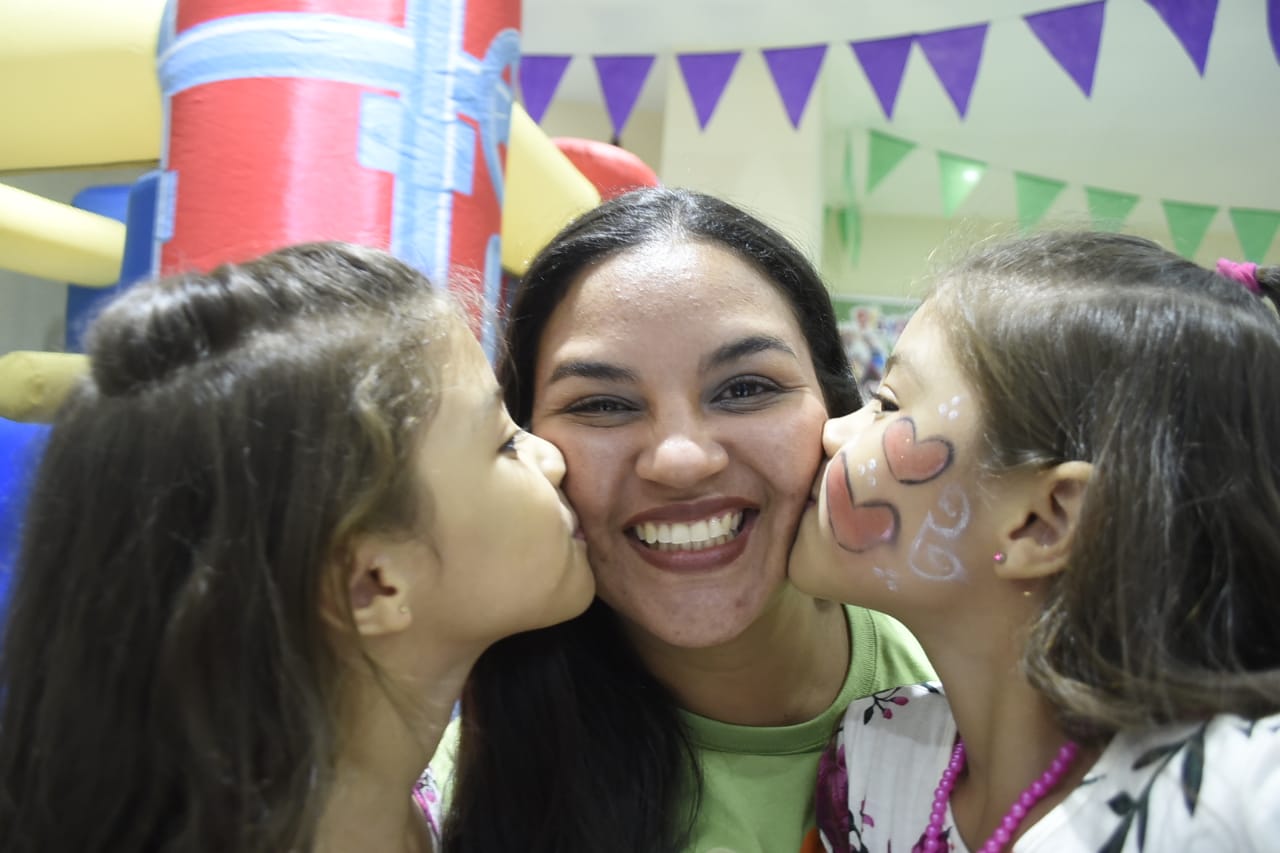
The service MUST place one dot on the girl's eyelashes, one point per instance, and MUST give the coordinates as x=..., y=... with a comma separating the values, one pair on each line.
x=509, y=446
x=883, y=402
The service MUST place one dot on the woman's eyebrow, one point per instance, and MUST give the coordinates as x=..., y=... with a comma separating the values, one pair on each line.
x=581, y=369
x=743, y=347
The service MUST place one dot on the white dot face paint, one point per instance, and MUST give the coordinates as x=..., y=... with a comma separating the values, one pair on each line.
x=896, y=515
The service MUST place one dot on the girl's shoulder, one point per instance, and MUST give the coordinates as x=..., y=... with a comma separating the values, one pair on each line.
x=1206, y=785
x=904, y=706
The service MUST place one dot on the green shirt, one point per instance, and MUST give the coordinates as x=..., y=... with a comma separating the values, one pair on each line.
x=758, y=782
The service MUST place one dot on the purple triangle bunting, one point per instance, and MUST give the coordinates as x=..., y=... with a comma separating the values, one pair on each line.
x=539, y=78
x=621, y=79
x=795, y=70
x=705, y=76
x=955, y=56
x=1072, y=36
x=1273, y=25
x=884, y=61
x=1192, y=22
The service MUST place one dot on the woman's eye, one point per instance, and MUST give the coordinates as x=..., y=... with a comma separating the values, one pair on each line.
x=746, y=388
x=598, y=406
x=509, y=446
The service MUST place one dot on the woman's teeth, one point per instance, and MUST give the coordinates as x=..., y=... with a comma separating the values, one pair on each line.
x=695, y=536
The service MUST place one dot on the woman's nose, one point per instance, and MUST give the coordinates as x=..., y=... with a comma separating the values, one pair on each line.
x=682, y=454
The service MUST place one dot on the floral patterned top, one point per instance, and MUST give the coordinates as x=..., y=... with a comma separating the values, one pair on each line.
x=1211, y=786
x=427, y=797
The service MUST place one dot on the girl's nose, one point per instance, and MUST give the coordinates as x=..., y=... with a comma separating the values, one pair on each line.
x=840, y=431
x=547, y=456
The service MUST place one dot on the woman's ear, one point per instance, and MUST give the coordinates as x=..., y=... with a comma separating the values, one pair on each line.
x=1039, y=538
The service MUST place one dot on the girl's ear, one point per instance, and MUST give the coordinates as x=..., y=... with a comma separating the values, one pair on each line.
x=378, y=582
x=1039, y=537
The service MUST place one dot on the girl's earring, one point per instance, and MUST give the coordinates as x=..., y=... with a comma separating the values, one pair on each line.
x=404, y=608
x=998, y=558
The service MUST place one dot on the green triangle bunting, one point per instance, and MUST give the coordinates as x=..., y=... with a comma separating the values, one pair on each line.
x=959, y=176
x=1109, y=209
x=1188, y=223
x=886, y=152
x=1255, y=229
x=1035, y=196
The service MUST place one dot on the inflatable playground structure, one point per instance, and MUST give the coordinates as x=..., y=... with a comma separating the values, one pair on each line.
x=391, y=123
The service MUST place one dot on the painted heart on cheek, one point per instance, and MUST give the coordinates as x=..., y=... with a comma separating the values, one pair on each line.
x=913, y=460
x=857, y=527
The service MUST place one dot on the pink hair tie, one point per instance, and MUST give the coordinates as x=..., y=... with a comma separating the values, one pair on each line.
x=1246, y=273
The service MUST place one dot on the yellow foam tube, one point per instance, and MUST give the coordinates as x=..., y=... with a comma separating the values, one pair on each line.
x=544, y=192
x=78, y=83
x=53, y=240
x=34, y=384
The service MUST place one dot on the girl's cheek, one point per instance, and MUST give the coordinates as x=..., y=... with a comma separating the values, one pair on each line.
x=860, y=520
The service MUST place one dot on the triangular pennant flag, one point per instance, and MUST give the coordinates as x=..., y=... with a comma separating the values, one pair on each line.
x=1188, y=223
x=851, y=232
x=1109, y=209
x=959, y=176
x=955, y=56
x=884, y=61
x=621, y=79
x=1255, y=229
x=1273, y=25
x=706, y=75
x=846, y=171
x=847, y=220
x=1192, y=22
x=1035, y=197
x=1072, y=36
x=794, y=71
x=885, y=153
x=539, y=79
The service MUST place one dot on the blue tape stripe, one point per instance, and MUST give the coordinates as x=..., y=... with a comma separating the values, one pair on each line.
x=421, y=218
x=310, y=46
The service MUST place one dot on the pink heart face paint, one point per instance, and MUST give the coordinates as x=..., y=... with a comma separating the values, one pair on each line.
x=912, y=460
x=857, y=527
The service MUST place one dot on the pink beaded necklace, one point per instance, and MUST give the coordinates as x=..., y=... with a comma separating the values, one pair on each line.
x=1017, y=812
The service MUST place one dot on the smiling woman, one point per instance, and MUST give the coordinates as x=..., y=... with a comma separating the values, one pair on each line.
x=683, y=356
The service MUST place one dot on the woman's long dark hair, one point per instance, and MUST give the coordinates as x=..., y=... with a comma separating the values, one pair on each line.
x=569, y=744
x=167, y=681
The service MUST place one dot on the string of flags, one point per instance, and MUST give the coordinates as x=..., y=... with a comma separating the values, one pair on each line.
x=1188, y=222
x=1070, y=34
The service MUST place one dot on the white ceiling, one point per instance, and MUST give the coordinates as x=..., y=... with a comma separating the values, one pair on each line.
x=1153, y=125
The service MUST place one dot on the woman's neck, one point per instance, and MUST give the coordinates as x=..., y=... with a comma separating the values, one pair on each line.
x=786, y=668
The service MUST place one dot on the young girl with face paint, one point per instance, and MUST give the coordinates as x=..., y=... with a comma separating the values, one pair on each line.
x=260, y=559
x=1067, y=487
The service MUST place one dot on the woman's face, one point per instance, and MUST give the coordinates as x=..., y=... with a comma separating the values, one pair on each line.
x=677, y=383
